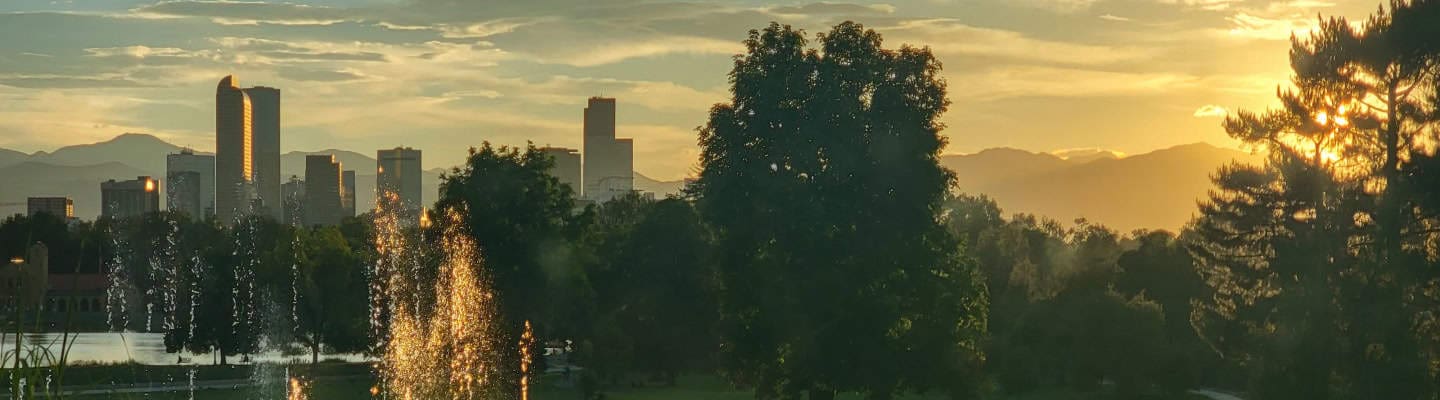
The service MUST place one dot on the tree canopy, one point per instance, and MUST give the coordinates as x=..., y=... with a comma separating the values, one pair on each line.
x=820, y=176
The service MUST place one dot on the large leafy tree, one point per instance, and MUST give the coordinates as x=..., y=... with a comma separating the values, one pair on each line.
x=821, y=178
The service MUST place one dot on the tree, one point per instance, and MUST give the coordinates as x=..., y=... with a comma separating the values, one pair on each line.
x=821, y=178
x=656, y=287
x=517, y=213
x=1319, y=257
x=330, y=310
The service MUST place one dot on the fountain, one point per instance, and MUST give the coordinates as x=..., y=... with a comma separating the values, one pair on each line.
x=450, y=349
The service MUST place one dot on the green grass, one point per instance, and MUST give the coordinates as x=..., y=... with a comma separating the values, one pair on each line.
x=352, y=381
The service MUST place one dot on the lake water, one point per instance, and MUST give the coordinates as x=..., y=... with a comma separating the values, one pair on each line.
x=144, y=348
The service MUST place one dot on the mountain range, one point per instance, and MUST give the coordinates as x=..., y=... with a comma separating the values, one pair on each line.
x=1151, y=190
x=1155, y=190
x=76, y=171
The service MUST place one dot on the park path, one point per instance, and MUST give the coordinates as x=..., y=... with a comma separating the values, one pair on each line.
x=1214, y=395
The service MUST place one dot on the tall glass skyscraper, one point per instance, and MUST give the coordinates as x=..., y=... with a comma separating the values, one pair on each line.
x=233, y=140
x=265, y=150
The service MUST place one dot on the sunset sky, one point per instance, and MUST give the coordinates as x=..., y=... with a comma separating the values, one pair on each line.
x=1042, y=75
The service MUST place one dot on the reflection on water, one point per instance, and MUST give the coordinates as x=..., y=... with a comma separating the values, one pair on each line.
x=145, y=348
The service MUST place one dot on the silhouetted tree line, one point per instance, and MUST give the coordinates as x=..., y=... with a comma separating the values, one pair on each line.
x=228, y=290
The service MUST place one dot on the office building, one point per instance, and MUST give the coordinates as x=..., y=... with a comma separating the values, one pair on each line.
x=608, y=170
x=347, y=194
x=566, y=168
x=234, y=174
x=132, y=198
x=265, y=147
x=398, y=173
x=323, y=190
x=62, y=207
x=190, y=183
x=293, y=194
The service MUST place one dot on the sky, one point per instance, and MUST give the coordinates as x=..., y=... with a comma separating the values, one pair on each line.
x=1043, y=75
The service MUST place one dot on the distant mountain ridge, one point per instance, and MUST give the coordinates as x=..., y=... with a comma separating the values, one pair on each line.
x=1155, y=190
x=1151, y=190
x=76, y=171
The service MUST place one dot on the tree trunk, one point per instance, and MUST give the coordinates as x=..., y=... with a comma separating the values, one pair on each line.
x=315, y=352
x=222, y=357
x=1389, y=220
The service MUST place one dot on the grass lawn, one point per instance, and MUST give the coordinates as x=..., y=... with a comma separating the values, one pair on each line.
x=337, y=381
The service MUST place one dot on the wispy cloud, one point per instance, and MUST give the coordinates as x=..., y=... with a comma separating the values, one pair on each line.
x=1251, y=26
x=1210, y=111
x=1002, y=83
x=1209, y=5
x=951, y=37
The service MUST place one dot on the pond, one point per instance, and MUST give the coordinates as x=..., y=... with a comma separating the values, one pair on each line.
x=145, y=348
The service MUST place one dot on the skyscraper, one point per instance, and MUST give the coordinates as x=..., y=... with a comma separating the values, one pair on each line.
x=233, y=135
x=132, y=198
x=323, y=190
x=190, y=183
x=608, y=170
x=567, y=167
x=61, y=207
x=347, y=194
x=265, y=148
x=398, y=171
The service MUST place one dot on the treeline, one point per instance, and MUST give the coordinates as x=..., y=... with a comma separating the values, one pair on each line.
x=227, y=290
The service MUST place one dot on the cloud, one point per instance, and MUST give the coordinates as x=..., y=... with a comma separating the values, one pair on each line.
x=67, y=82
x=246, y=12
x=483, y=29
x=1208, y=5
x=1291, y=5
x=1112, y=17
x=319, y=75
x=1250, y=26
x=824, y=8
x=138, y=52
x=1210, y=111
x=656, y=96
x=951, y=37
x=1019, y=81
x=322, y=56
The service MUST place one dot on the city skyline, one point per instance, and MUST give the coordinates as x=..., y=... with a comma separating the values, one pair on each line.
x=428, y=73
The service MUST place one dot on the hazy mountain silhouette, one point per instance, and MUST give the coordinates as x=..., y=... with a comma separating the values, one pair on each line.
x=660, y=188
x=137, y=150
x=37, y=179
x=8, y=157
x=1000, y=164
x=1152, y=190
x=1086, y=155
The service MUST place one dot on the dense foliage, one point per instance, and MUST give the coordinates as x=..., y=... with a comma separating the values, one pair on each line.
x=821, y=179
